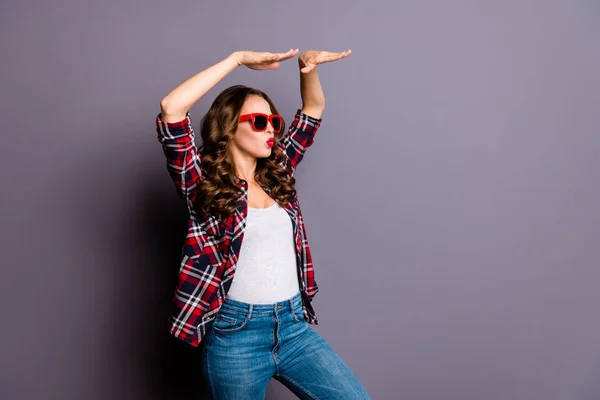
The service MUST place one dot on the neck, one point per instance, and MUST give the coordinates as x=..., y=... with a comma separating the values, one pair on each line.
x=245, y=166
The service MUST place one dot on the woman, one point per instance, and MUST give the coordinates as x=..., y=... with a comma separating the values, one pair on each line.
x=246, y=279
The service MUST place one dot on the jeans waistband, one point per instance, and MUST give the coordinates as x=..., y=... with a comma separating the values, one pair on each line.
x=246, y=308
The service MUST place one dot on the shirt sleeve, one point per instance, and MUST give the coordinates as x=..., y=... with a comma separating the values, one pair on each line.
x=182, y=157
x=300, y=136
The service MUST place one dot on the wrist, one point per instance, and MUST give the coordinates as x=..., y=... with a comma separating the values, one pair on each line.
x=236, y=57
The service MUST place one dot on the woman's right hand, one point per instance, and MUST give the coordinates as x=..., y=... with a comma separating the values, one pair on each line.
x=262, y=60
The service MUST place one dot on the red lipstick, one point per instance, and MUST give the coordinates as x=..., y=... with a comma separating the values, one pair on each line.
x=270, y=142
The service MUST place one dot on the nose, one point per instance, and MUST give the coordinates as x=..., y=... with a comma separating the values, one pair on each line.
x=269, y=128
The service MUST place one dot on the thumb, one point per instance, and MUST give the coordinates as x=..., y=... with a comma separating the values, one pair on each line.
x=307, y=69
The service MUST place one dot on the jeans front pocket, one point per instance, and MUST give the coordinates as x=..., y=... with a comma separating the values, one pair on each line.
x=228, y=321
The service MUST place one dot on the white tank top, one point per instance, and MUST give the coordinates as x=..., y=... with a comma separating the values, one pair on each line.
x=266, y=269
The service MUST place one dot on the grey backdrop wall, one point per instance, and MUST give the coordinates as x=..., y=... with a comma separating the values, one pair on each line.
x=451, y=196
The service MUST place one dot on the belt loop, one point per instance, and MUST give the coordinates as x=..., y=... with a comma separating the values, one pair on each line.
x=249, y=312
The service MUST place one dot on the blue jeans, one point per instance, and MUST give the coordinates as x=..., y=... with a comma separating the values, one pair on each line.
x=250, y=343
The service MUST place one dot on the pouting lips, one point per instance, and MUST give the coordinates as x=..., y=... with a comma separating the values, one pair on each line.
x=271, y=142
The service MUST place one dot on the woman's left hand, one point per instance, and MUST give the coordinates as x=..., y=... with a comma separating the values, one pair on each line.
x=308, y=60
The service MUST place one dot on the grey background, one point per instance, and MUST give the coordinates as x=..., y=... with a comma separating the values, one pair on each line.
x=451, y=196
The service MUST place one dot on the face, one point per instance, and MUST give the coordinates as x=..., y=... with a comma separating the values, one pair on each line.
x=248, y=142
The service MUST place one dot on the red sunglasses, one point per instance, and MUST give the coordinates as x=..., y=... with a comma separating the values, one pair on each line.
x=260, y=121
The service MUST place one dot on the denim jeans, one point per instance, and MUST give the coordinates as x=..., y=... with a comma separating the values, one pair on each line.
x=250, y=343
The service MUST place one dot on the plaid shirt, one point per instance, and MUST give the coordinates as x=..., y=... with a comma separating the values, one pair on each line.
x=212, y=246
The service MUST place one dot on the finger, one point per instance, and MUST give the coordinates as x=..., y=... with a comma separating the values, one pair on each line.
x=287, y=55
x=346, y=53
x=332, y=57
x=290, y=51
x=337, y=56
x=308, y=68
x=272, y=57
x=327, y=56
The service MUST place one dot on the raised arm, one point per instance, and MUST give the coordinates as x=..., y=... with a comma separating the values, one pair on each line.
x=175, y=105
x=175, y=131
x=313, y=99
x=301, y=133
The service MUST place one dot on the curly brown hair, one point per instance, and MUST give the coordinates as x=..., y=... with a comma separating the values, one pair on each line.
x=217, y=190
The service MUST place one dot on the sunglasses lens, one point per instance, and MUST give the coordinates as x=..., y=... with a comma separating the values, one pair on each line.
x=260, y=122
x=276, y=121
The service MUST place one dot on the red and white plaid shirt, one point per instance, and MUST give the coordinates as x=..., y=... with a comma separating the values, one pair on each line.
x=212, y=246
